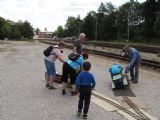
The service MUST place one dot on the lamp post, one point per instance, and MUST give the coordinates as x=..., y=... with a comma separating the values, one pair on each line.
x=96, y=17
x=128, y=28
x=78, y=24
x=130, y=19
x=96, y=30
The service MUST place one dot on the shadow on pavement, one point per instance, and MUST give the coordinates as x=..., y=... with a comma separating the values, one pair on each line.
x=124, y=92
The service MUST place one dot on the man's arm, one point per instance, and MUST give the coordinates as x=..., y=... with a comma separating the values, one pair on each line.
x=93, y=82
x=133, y=60
x=60, y=58
x=74, y=48
x=75, y=43
x=78, y=82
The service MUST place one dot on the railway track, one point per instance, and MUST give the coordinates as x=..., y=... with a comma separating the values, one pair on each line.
x=149, y=63
x=143, y=48
x=144, y=62
x=138, y=115
x=148, y=49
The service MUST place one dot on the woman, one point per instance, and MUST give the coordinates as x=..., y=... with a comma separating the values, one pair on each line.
x=50, y=64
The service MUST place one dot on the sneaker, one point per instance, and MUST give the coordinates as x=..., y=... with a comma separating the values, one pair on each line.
x=131, y=79
x=135, y=81
x=47, y=85
x=78, y=113
x=84, y=116
x=63, y=92
x=52, y=88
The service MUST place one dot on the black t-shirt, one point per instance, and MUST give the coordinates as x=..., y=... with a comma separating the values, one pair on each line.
x=78, y=44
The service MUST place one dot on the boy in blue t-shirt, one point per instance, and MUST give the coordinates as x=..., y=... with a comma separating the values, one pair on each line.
x=85, y=83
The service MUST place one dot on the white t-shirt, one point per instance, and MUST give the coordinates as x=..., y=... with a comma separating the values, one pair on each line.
x=54, y=55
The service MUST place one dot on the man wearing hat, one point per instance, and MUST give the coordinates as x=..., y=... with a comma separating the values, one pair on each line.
x=133, y=65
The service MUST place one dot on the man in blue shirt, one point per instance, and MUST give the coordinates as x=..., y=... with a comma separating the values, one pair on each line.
x=133, y=65
x=85, y=83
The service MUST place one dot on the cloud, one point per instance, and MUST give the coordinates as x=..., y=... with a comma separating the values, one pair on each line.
x=49, y=13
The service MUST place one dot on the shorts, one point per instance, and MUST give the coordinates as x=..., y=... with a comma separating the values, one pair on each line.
x=50, y=67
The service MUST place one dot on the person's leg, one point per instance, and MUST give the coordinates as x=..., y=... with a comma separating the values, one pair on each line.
x=80, y=102
x=136, y=72
x=47, y=79
x=52, y=72
x=64, y=77
x=87, y=98
x=73, y=76
x=132, y=72
x=47, y=73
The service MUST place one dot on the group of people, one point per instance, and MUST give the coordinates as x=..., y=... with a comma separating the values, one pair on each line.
x=77, y=71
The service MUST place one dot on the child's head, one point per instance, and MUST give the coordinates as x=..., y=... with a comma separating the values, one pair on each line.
x=85, y=55
x=86, y=66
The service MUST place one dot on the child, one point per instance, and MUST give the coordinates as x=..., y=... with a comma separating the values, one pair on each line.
x=85, y=83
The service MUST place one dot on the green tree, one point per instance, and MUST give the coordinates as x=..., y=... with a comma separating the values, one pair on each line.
x=5, y=30
x=2, y=22
x=102, y=8
x=106, y=21
x=60, y=31
x=71, y=26
x=37, y=30
x=129, y=15
x=89, y=25
x=16, y=34
x=27, y=30
x=150, y=9
x=110, y=30
x=110, y=8
x=157, y=25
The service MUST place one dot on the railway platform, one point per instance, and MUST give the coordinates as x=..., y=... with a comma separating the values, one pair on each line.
x=23, y=95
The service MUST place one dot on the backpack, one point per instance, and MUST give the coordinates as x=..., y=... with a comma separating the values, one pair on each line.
x=47, y=51
x=73, y=56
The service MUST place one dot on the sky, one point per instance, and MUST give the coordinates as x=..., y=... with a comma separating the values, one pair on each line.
x=49, y=13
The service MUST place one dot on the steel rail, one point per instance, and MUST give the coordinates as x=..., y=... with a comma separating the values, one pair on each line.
x=137, y=116
x=144, y=62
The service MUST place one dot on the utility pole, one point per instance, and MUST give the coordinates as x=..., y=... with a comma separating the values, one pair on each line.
x=96, y=30
x=128, y=28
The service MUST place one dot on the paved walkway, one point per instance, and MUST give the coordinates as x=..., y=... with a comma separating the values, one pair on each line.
x=23, y=95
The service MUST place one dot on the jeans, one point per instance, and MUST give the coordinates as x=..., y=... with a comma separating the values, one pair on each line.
x=50, y=67
x=134, y=71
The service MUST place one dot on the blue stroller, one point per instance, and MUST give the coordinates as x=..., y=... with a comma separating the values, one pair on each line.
x=119, y=80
